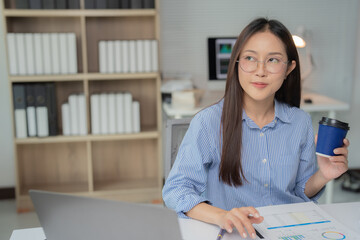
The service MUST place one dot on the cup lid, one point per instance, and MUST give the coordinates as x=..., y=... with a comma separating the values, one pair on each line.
x=334, y=123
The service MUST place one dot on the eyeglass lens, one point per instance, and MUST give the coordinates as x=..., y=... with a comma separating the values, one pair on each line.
x=272, y=65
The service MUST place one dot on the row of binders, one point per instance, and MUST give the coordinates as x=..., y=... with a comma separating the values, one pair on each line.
x=73, y=115
x=42, y=53
x=35, y=110
x=116, y=4
x=47, y=4
x=114, y=113
x=89, y=4
x=128, y=56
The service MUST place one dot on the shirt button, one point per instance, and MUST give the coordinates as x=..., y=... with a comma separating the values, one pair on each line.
x=266, y=185
x=264, y=160
x=261, y=134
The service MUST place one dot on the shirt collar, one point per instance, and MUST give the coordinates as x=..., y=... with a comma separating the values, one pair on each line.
x=280, y=111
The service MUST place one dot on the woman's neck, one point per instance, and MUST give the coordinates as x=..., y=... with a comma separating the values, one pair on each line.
x=261, y=112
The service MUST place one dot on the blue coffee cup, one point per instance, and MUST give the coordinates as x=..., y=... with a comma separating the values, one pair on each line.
x=330, y=136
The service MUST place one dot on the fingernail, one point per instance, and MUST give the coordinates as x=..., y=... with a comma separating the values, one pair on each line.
x=244, y=235
x=256, y=215
x=335, y=151
x=229, y=230
x=253, y=235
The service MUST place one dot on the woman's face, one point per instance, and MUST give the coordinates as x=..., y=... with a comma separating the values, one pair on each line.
x=263, y=67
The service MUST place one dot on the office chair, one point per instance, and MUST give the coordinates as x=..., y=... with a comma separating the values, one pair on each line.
x=175, y=130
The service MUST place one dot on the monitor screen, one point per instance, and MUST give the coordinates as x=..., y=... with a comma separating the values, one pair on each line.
x=219, y=52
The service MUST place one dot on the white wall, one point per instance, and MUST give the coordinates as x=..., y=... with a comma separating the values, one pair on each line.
x=186, y=24
x=7, y=172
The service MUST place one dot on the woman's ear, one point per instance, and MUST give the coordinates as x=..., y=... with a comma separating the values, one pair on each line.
x=291, y=67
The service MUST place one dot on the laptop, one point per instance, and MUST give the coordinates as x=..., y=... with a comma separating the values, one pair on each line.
x=70, y=217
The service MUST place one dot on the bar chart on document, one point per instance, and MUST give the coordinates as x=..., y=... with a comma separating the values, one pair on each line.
x=308, y=222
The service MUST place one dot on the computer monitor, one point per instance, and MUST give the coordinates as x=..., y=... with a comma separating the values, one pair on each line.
x=219, y=52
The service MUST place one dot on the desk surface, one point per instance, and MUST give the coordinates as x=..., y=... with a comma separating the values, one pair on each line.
x=346, y=213
x=320, y=103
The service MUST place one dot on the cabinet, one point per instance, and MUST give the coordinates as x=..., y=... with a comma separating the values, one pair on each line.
x=124, y=167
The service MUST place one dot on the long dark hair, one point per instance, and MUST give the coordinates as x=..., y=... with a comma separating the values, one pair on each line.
x=231, y=171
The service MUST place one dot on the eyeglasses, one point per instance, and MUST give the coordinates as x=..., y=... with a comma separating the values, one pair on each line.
x=272, y=65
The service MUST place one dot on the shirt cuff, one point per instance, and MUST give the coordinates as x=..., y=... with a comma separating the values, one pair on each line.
x=187, y=203
x=300, y=192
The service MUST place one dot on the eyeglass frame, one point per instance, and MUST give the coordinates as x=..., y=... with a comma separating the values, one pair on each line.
x=257, y=65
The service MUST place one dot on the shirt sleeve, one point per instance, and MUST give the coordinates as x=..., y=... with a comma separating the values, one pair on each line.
x=187, y=181
x=308, y=164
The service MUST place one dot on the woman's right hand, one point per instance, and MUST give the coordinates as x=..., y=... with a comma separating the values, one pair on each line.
x=241, y=218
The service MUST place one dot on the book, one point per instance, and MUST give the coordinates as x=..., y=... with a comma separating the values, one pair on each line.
x=30, y=58
x=136, y=116
x=74, y=114
x=42, y=122
x=95, y=113
x=154, y=56
x=21, y=53
x=128, y=113
x=102, y=57
x=73, y=4
x=21, y=4
x=104, y=113
x=148, y=3
x=61, y=4
x=112, y=113
x=132, y=56
x=140, y=55
x=72, y=55
x=30, y=109
x=39, y=63
x=82, y=114
x=12, y=55
x=90, y=4
x=51, y=104
x=19, y=110
x=118, y=57
x=136, y=3
x=124, y=4
x=113, y=4
x=147, y=55
x=63, y=50
x=120, y=114
x=65, y=117
x=55, y=53
x=46, y=44
x=35, y=4
x=101, y=4
x=110, y=57
x=48, y=4
x=125, y=56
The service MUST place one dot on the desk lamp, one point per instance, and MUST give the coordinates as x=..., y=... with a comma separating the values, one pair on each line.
x=305, y=56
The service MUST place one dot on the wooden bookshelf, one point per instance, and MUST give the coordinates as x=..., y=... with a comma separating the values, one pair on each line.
x=125, y=167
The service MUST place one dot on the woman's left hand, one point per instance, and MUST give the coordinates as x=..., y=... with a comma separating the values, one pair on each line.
x=334, y=166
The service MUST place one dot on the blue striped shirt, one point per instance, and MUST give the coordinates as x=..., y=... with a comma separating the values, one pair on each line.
x=277, y=161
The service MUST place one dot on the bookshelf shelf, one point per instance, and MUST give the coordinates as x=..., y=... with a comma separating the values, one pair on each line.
x=80, y=13
x=123, y=167
x=121, y=76
x=89, y=138
x=47, y=78
x=82, y=76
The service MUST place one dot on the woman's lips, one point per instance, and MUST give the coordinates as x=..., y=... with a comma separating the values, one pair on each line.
x=259, y=84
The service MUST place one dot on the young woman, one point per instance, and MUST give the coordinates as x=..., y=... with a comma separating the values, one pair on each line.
x=255, y=147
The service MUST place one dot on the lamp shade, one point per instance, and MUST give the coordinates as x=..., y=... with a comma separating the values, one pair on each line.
x=299, y=42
